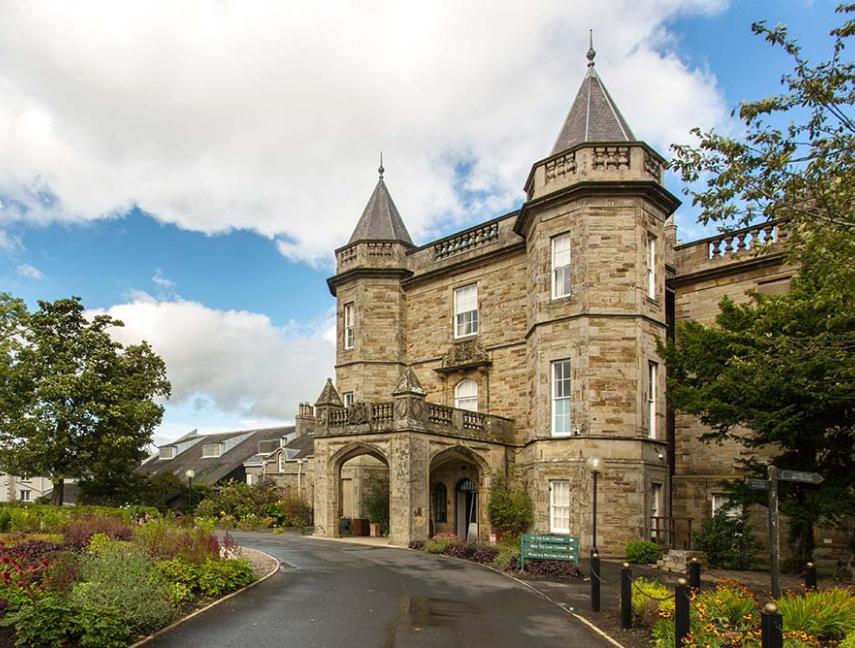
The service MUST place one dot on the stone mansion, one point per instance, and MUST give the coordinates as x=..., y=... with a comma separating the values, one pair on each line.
x=527, y=345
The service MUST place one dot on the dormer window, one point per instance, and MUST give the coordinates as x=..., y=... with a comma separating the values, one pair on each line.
x=211, y=450
x=167, y=452
x=466, y=311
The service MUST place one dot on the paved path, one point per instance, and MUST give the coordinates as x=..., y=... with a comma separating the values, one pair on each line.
x=341, y=595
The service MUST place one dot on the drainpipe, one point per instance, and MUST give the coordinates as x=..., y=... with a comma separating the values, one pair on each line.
x=300, y=478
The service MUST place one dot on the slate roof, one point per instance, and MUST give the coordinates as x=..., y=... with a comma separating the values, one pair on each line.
x=210, y=470
x=304, y=446
x=380, y=221
x=593, y=117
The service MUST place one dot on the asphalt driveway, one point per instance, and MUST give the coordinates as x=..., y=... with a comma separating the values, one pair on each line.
x=340, y=595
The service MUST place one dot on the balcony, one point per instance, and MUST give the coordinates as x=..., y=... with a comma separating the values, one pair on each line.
x=385, y=418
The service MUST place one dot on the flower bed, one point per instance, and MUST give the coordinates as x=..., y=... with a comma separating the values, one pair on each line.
x=112, y=579
x=729, y=616
x=46, y=518
x=504, y=557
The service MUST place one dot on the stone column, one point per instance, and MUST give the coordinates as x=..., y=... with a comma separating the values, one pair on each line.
x=409, y=504
x=326, y=477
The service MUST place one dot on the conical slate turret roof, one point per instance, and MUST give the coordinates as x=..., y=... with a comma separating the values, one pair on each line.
x=380, y=221
x=594, y=116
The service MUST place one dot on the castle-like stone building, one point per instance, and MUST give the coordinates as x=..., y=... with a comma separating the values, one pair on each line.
x=526, y=346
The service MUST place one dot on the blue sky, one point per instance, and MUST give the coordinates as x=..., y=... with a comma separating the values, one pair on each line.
x=253, y=247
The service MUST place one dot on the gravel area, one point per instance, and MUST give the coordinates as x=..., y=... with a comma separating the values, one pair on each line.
x=262, y=563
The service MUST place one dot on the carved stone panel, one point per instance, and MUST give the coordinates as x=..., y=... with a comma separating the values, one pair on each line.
x=464, y=355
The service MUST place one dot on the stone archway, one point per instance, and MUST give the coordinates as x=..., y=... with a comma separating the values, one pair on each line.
x=355, y=462
x=459, y=486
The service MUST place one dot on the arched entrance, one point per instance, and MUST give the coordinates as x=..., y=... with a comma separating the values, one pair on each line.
x=466, y=519
x=361, y=486
x=456, y=478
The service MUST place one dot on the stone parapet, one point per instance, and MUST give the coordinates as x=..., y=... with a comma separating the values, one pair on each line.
x=738, y=246
x=386, y=417
x=592, y=162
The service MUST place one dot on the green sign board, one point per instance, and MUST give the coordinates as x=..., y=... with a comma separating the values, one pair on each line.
x=548, y=547
x=800, y=476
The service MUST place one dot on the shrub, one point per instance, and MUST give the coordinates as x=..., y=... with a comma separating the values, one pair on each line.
x=511, y=509
x=181, y=571
x=101, y=629
x=825, y=614
x=552, y=569
x=464, y=550
x=218, y=577
x=418, y=545
x=79, y=531
x=642, y=552
x=163, y=540
x=648, y=598
x=296, y=511
x=485, y=554
x=44, y=622
x=5, y=521
x=62, y=572
x=507, y=557
x=727, y=541
x=241, y=500
x=124, y=582
x=849, y=642
x=438, y=544
x=375, y=501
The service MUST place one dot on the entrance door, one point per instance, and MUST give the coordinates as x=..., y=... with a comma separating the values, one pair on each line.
x=467, y=511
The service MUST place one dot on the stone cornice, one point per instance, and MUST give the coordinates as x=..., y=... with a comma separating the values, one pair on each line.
x=465, y=264
x=363, y=273
x=741, y=265
x=651, y=190
x=568, y=318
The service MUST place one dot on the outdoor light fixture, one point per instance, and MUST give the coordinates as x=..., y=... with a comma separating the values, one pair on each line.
x=595, y=467
x=190, y=474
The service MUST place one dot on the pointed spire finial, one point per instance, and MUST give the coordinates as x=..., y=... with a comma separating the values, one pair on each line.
x=380, y=169
x=591, y=51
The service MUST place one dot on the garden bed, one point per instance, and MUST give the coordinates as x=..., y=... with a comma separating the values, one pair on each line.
x=106, y=578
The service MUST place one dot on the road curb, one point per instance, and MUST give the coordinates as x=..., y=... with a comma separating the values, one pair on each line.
x=195, y=613
x=593, y=628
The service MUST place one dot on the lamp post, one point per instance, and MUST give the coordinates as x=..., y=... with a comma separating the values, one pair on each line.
x=595, y=466
x=190, y=474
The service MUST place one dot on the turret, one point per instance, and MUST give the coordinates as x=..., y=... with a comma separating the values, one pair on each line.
x=370, y=347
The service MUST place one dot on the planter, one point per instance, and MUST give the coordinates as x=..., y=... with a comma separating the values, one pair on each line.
x=375, y=529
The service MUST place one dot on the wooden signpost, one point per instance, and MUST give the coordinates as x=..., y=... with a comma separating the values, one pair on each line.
x=771, y=485
x=548, y=547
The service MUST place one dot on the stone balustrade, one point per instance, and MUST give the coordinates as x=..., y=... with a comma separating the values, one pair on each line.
x=733, y=246
x=381, y=418
x=466, y=240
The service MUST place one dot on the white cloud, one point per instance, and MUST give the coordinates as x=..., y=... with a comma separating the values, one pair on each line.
x=9, y=244
x=30, y=272
x=269, y=115
x=236, y=363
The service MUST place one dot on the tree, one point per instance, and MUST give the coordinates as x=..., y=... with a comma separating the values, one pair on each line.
x=511, y=509
x=778, y=373
x=75, y=402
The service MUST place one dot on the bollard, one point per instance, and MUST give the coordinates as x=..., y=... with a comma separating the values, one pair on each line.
x=695, y=574
x=625, y=597
x=681, y=612
x=595, y=582
x=771, y=627
x=810, y=576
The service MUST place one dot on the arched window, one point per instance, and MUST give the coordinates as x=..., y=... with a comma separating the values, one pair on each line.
x=440, y=507
x=466, y=395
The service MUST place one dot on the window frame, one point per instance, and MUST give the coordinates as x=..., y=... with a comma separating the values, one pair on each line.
x=172, y=451
x=732, y=510
x=440, y=503
x=219, y=446
x=652, y=393
x=22, y=492
x=554, y=398
x=471, y=397
x=349, y=317
x=555, y=268
x=474, y=323
x=650, y=264
x=553, y=506
x=347, y=398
